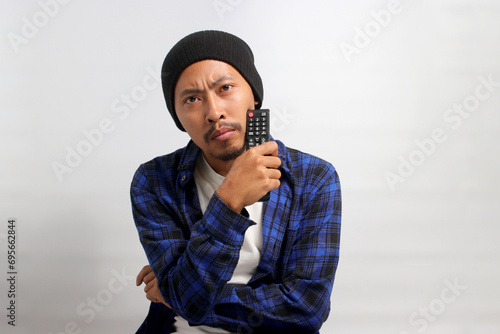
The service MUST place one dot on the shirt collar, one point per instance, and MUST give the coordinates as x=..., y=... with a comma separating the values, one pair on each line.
x=188, y=161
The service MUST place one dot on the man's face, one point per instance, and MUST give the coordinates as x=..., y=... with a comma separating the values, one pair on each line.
x=211, y=100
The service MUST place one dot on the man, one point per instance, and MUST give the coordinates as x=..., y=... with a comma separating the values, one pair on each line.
x=221, y=261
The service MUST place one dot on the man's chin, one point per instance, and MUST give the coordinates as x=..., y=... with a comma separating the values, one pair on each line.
x=229, y=153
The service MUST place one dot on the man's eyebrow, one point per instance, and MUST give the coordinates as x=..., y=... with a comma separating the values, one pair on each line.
x=221, y=79
x=189, y=91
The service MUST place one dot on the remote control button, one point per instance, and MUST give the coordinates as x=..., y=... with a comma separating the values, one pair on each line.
x=250, y=114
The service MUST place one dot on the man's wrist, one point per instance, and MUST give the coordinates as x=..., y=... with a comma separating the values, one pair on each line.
x=224, y=223
x=230, y=201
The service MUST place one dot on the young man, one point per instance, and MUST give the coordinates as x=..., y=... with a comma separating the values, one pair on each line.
x=221, y=261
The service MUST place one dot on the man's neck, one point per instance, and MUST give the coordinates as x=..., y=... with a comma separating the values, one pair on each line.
x=219, y=166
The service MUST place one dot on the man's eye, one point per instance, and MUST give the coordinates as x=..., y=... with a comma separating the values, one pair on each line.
x=225, y=88
x=191, y=99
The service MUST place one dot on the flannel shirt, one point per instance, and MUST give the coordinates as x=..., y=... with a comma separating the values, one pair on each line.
x=193, y=255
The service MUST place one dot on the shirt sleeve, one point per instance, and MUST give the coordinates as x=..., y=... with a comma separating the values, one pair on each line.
x=300, y=300
x=192, y=269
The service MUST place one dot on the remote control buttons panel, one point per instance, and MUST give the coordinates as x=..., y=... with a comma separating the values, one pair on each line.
x=257, y=132
x=257, y=127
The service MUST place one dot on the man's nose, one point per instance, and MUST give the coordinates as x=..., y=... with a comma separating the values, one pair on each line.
x=213, y=110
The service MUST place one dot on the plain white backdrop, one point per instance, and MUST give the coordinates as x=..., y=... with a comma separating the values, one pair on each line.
x=402, y=97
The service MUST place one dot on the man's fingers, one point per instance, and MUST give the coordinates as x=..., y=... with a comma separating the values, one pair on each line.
x=144, y=271
x=153, y=294
x=265, y=154
x=146, y=275
x=271, y=161
x=269, y=148
x=274, y=174
x=149, y=277
x=151, y=285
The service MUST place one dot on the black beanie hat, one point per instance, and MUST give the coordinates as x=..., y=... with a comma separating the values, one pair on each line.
x=210, y=44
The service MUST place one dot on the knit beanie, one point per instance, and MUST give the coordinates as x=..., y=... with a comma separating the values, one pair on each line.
x=210, y=44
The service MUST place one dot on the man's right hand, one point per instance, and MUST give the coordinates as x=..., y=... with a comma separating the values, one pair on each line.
x=147, y=276
x=252, y=175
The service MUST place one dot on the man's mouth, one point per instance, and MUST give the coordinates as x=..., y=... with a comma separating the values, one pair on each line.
x=225, y=131
x=222, y=134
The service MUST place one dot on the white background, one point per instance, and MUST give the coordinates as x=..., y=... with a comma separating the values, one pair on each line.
x=362, y=84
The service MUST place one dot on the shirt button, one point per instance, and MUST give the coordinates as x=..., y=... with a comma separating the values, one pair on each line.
x=183, y=178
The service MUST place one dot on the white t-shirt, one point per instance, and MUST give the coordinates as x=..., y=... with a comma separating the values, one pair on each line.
x=207, y=181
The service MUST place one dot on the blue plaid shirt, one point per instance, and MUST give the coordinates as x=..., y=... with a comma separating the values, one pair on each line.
x=193, y=255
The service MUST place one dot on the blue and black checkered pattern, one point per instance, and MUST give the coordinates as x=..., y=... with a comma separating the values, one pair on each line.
x=193, y=255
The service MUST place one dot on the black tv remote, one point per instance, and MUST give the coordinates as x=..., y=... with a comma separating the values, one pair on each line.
x=257, y=132
x=257, y=127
